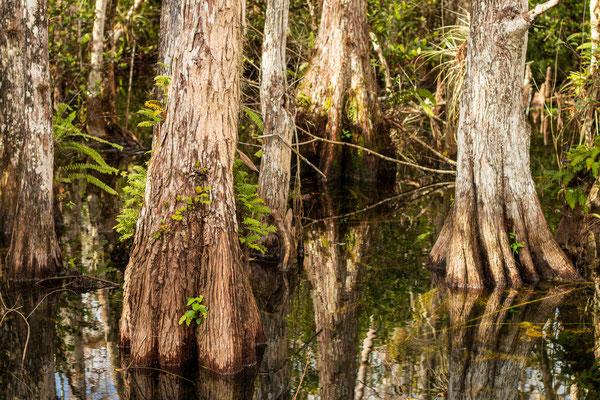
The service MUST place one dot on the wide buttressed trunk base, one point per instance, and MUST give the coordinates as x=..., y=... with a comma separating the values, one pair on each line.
x=337, y=98
x=496, y=233
x=186, y=242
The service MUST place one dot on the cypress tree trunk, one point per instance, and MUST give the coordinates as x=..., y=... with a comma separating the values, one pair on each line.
x=496, y=203
x=185, y=248
x=338, y=94
x=12, y=117
x=274, y=177
x=33, y=251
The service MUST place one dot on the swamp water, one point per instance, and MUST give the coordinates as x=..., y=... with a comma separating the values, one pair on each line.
x=361, y=319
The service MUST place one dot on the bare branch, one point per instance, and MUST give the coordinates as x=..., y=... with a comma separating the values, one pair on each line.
x=522, y=24
x=531, y=15
x=376, y=154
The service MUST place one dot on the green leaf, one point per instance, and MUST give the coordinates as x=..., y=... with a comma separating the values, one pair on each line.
x=181, y=320
x=254, y=117
x=571, y=198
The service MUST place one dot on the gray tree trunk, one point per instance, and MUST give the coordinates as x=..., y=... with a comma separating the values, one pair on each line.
x=274, y=177
x=496, y=203
x=12, y=117
x=95, y=123
x=33, y=251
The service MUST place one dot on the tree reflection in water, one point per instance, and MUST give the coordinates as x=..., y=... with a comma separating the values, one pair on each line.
x=363, y=287
x=31, y=377
x=333, y=252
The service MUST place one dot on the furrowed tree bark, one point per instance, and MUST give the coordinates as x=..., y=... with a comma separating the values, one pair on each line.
x=337, y=98
x=278, y=125
x=12, y=117
x=275, y=166
x=496, y=203
x=33, y=251
x=587, y=131
x=200, y=253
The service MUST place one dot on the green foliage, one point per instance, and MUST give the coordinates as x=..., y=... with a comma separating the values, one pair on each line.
x=202, y=197
x=70, y=143
x=195, y=313
x=132, y=199
x=582, y=162
x=154, y=111
x=514, y=245
x=450, y=53
x=255, y=118
x=252, y=209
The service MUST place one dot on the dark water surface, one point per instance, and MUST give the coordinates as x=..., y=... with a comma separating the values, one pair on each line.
x=360, y=318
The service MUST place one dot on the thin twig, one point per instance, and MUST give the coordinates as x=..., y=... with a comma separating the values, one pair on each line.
x=304, y=373
x=95, y=278
x=422, y=143
x=435, y=186
x=374, y=153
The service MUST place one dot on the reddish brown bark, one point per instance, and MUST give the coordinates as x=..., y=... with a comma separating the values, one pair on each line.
x=200, y=254
x=338, y=94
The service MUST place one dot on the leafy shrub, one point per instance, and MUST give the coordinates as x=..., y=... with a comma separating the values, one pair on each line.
x=582, y=163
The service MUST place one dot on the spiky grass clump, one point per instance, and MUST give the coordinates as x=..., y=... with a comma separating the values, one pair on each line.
x=451, y=52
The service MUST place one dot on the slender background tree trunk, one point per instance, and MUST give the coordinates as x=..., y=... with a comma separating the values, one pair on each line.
x=95, y=121
x=274, y=177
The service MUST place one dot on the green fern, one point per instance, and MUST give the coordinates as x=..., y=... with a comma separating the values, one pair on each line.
x=155, y=110
x=252, y=209
x=69, y=138
x=133, y=199
x=255, y=118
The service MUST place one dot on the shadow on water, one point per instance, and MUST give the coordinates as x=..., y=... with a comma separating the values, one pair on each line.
x=358, y=317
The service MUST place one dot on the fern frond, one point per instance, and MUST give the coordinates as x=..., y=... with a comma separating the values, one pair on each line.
x=85, y=150
x=96, y=139
x=254, y=117
x=86, y=166
x=92, y=180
